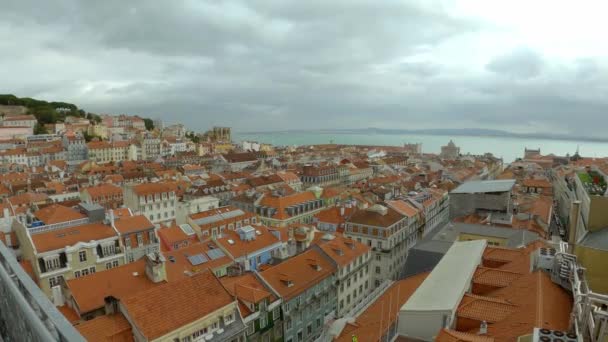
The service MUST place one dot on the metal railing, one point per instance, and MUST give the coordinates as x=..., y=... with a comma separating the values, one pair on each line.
x=369, y=299
x=26, y=314
x=55, y=226
x=589, y=313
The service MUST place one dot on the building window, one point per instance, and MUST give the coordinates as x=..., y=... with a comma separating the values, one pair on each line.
x=263, y=322
x=318, y=322
x=276, y=314
x=77, y=274
x=140, y=238
x=52, y=263
x=250, y=328
x=82, y=256
x=309, y=329
x=288, y=324
x=54, y=281
x=378, y=270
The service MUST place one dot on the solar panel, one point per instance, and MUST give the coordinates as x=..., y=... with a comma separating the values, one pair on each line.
x=215, y=253
x=197, y=259
x=187, y=229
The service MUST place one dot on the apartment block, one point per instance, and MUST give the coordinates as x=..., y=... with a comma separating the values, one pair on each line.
x=156, y=201
x=387, y=232
x=307, y=288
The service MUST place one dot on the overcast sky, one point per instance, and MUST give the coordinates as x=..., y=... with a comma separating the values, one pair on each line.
x=531, y=66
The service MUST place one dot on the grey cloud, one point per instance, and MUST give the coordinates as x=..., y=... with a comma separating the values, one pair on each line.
x=521, y=63
x=274, y=64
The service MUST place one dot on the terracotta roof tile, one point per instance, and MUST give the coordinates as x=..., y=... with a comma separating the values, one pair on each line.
x=247, y=287
x=298, y=271
x=343, y=250
x=448, y=335
x=132, y=224
x=107, y=328
x=103, y=190
x=56, y=213
x=57, y=239
x=154, y=188
x=240, y=247
x=89, y=292
x=165, y=308
x=482, y=308
x=375, y=321
x=178, y=266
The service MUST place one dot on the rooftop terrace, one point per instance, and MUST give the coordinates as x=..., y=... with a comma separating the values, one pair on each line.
x=594, y=183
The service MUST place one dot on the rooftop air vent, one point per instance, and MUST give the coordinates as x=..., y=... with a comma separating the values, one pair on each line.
x=546, y=335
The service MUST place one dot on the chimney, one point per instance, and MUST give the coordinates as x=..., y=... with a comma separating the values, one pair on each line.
x=111, y=305
x=155, y=267
x=483, y=328
x=111, y=215
x=575, y=210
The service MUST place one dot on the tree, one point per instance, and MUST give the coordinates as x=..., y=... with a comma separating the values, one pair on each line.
x=88, y=137
x=194, y=137
x=149, y=124
x=40, y=129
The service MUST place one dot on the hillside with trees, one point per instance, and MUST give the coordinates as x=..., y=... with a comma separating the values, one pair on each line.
x=53, y=112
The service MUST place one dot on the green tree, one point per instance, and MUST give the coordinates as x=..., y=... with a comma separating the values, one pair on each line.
x=149, y=124
x=40, y=129
x=88, y=137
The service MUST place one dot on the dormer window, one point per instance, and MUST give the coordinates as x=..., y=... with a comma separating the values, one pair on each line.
x=314, y=263
x=286, y=280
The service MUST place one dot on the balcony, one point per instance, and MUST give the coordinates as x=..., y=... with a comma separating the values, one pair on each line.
x=32, y=316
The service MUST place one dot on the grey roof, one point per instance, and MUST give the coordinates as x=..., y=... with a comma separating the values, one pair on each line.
x=443, y=289
x=597, y=239
x=420, y=261
x=485, y=186
x=515, y=237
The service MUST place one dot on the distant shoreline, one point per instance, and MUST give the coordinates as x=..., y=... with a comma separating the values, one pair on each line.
x=447, y=133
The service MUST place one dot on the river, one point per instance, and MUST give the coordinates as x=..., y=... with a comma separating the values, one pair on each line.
x=508, y=148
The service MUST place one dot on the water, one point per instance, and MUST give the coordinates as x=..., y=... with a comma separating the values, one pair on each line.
x=508, y=148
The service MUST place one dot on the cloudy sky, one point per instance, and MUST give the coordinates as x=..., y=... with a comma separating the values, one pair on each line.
x=531, y=66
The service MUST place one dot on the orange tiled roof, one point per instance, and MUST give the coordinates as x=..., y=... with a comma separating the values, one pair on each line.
x=154, y=188
x=165, y=308
x=103, y=190
x=375, y=321
x=114, y=328
x=178, y=266
x=248, y=288
x=494, y=277
x=27, y=198
x=300, y=272
x=133, y=224
x=243, y=248
x=403, y=208
x=172, y=235
x=89, y=292
x=343, y=250
x=482, y=308
x=57, y=239
x=448, y=335
x=282, y=202
x=56, y=213
x=69, y=313
x=332, y=215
